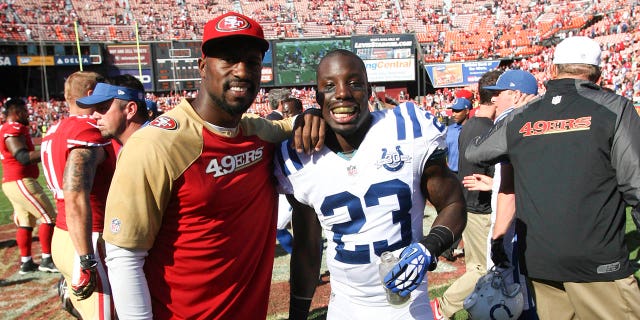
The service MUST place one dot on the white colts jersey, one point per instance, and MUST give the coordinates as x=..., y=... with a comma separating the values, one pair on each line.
x=371, y=203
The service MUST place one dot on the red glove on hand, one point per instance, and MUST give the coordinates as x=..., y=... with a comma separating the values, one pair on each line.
x=86, y=283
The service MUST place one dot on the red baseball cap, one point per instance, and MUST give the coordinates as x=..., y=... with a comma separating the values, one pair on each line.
x=233, y=24
x=463, y=93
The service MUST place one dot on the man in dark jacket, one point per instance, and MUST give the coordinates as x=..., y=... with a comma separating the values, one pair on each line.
x=275, y=102
x=476, y=232
x=575, y=156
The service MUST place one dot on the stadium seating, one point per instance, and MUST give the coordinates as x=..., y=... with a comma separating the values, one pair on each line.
x=510, y=28
x=447, y=31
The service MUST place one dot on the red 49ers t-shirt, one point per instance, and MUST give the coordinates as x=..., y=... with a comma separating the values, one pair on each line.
x=70, y=133
x=13, y=170
x=204, y=206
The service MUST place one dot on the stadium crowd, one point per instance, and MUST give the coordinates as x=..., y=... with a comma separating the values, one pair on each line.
x=490, y=29
x=620, y=73
x=487, y=27
x=614, y=31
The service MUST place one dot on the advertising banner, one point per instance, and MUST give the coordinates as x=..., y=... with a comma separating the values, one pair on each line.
x=127, y=55
x=57, y=60
x=73, y=60
x=267, y=68
x=390, y=70
x=8, y=61
x=388, y=58
x=35, y=61
x=459, y=74
x=146, y=78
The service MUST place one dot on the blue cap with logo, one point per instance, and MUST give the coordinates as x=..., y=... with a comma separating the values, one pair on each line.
x=151, y=105
x=460, y=104
x=519, y=80
x=105, y=92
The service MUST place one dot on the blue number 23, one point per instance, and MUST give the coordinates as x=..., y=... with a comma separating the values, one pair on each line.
x=358, y=218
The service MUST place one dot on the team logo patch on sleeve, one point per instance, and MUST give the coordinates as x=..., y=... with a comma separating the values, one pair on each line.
x=115, y=225
x=393, y=160
x=164, y=122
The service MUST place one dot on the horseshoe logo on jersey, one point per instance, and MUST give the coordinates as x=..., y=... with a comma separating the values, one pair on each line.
x=392, y=161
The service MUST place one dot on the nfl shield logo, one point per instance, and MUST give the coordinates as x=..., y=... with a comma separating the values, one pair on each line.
x=352, y=170
x=115, y=225
x=556, y=100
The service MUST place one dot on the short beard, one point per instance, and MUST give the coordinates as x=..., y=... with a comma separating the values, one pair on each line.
x=234, y=111
x=106, y=135
x=228, y=108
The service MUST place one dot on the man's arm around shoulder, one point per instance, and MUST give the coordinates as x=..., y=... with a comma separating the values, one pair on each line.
x=308, y=129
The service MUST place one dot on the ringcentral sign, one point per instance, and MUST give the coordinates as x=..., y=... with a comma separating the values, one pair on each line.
x=387, y=57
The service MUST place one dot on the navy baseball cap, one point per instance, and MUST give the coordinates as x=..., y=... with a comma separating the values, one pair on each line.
x=519, y=80
x=105, y=92
x=151, y=105
x=460, y=104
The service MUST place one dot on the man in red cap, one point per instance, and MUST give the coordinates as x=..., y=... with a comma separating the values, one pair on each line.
x=191, y=214
x=464, y=93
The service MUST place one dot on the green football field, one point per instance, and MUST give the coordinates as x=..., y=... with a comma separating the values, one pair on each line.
x=632, y=236
x=5, y=207
x=296, y=61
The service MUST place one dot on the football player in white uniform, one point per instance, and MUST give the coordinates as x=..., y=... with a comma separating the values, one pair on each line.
x=367, y=190
x=284, y=217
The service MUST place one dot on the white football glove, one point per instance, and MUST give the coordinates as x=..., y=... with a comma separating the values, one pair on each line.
x=409, y=272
